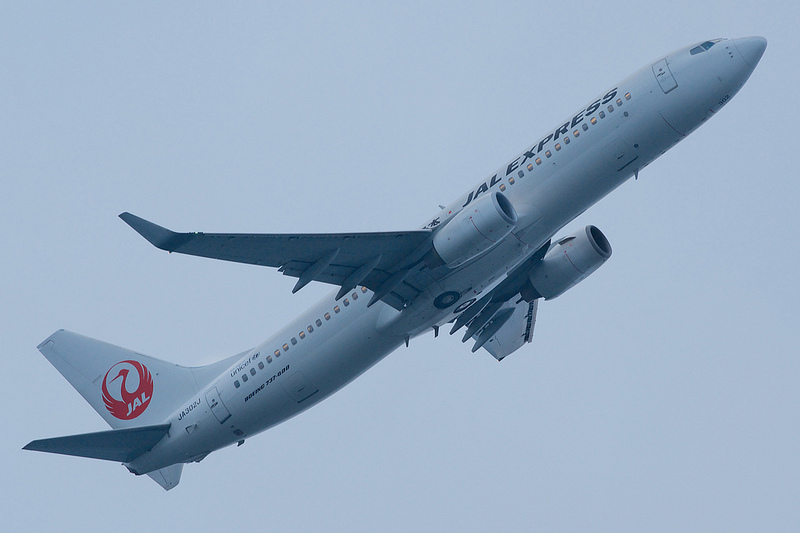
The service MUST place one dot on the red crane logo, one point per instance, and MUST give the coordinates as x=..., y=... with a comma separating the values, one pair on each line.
x=127, y=398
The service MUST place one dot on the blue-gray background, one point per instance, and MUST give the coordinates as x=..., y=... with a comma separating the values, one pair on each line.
x=661, y=394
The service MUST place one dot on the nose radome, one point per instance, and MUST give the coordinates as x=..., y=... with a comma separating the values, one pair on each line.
x=751, y=49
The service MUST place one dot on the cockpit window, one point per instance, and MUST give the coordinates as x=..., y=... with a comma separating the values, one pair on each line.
x=703, y=47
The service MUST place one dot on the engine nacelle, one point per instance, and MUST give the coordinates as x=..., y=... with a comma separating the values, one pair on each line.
x=477, y=228
x=567, y=263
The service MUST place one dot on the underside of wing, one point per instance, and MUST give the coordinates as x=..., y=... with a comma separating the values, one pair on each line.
x=500, y=322
x=379, y=261
x=514, y=332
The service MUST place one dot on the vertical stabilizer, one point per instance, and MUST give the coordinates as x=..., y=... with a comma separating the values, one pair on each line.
x=126, y=388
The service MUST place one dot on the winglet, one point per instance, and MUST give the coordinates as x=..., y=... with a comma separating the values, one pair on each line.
x=159, y=237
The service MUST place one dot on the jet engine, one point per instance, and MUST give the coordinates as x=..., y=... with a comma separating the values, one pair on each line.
x=567, y=263
x=477, y=228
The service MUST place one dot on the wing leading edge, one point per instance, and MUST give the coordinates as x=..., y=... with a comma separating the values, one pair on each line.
x=374, y=260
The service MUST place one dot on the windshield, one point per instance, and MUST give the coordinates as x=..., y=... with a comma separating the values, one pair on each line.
x=703, y=47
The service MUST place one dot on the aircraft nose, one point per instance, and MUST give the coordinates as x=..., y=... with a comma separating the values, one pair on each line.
x=751, y=49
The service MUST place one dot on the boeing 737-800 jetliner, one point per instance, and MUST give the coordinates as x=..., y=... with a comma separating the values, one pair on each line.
x=482, y=263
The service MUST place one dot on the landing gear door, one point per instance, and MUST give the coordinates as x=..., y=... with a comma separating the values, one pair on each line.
x=216, y=405
x=664, y=76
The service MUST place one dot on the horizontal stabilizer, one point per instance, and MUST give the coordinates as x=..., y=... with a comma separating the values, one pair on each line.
x=168, y=477
x=120, y=445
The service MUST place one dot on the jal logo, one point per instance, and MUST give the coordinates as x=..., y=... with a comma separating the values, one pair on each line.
x=127, y=389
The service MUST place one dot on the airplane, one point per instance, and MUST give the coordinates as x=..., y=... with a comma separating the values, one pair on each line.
x=482, y=263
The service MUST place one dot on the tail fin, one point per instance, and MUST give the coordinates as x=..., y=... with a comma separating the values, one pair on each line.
x=126, y=388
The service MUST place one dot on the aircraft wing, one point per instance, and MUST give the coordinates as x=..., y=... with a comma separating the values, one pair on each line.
x=499, y=322
x=374, y=260
x=515, y=332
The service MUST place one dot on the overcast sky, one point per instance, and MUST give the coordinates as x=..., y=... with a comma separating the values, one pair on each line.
x=660, y=394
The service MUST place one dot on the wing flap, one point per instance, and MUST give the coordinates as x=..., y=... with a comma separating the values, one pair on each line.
x=120, y=445
x=515, y=332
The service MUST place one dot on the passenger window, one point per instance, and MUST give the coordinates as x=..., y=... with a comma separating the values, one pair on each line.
x=558, y=147
x=237, y=384
x=548, y=153
x=530, y=166
x=364, y=290
x=285, y=347
x=245, y=378
x=576, y=133
x=611, y=109
x=336, y=309
x=318, y=322
x=261, y=365
x=586, y=126
x=327, y=316
x=277, y=353
x=520, y=174
x=619, y=102
x=252, y=371
x=293, y=341
x=511, y=181
x=602, y=114
x=538, y=160
x=346, y=302
x=627, y=96
x=302, y=334
x=269, y=358
x=566, y=140
x=594, y=120
x=502, y=187
x=310, y=329
x=355, y=296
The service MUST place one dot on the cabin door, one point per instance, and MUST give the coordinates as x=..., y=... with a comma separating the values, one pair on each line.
x=664, y=76
x=216, y=405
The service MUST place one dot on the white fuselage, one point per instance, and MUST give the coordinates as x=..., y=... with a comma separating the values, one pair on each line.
x=572, y=166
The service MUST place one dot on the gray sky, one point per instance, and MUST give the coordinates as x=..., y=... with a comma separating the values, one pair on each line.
x=660, y=394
